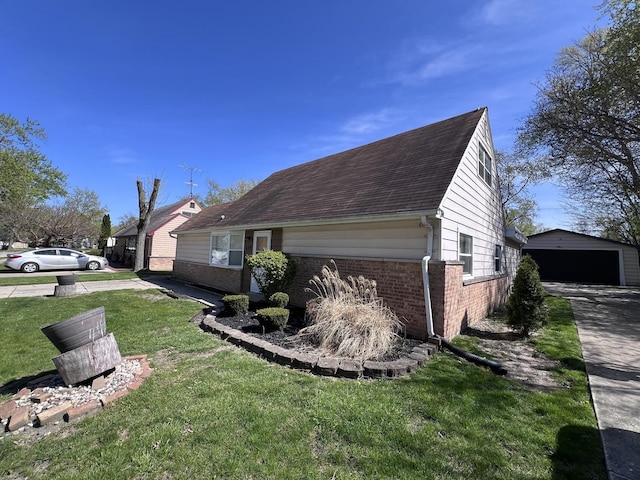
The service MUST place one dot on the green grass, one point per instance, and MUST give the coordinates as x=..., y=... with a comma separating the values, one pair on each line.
x=41, y=280
x=213, y=411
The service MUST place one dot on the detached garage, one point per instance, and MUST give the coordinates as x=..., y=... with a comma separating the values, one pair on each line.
x=565, y=256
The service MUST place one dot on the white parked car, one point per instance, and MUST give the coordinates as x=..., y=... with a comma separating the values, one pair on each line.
x=54, y=259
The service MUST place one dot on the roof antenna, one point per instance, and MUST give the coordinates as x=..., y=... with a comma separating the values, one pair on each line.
x=190, y=182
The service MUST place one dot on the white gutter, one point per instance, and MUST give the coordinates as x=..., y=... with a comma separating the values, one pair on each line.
x=425, y=276
x=317, y=222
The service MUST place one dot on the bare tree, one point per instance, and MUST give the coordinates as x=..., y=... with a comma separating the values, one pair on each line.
x=146, y=209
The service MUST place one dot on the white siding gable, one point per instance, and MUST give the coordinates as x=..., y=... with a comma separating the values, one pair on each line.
x=472, y=207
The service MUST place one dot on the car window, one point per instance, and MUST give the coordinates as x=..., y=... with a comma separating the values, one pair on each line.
x=44, y=252
x=68, y=253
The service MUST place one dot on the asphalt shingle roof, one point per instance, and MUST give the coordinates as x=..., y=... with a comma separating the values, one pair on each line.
x=406, y=172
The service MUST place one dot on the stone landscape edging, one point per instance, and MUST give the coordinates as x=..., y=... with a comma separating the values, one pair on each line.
x=15, y=418
x=319, y=364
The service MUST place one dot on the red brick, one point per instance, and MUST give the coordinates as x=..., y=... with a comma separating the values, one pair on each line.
x=135, y=384
x=81, y=410
x=98, y=383
x=145, y=372
x=113, y=397
x=19, y=418
x=21, y=393
x=7, y=408
x=136, y=357
x=41, y=397
x=53, y=414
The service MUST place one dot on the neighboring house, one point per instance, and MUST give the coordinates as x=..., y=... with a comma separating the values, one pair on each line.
x=565, y=256
x=160, y=245
x=385, y=210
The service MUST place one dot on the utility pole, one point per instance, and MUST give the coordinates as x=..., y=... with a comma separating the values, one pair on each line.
x=190, y=182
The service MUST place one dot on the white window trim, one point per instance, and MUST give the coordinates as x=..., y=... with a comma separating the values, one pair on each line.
x=229, y=250
x=482, y=165
x=470, y=255
x=498, y=256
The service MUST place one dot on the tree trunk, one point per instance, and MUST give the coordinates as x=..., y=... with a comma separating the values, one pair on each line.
x=146, y=209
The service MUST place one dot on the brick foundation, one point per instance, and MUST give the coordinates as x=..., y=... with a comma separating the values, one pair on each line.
x=455, y=304
x=224, y=279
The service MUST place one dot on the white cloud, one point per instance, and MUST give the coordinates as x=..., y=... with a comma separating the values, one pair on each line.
x=370, y=122
x=120, y=155
x=504, y=12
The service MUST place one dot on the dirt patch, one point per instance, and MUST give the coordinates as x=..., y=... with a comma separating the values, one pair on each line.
x=523, y=363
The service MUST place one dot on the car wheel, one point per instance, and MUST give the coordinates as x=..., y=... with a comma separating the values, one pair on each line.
x=93, y=266
x=30, y=267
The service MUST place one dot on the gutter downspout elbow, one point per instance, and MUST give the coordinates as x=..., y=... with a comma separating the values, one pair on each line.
x=425, y=276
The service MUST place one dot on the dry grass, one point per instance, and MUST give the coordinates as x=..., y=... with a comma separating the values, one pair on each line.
x=350, y=319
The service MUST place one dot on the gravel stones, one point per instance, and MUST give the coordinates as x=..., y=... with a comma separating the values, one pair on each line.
x=46, y=400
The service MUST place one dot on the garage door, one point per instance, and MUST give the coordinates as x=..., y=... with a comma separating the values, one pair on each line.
x=579, y=266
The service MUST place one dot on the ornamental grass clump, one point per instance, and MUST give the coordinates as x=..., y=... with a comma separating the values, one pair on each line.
x=349, y=319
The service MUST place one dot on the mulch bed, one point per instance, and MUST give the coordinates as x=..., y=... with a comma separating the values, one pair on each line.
x=285, y=338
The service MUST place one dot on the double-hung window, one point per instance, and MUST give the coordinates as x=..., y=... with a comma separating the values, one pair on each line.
x=227, y=249
x=465, y=253
x=485, y=165
x=498, y=259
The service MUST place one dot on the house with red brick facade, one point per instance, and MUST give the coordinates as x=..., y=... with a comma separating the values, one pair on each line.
x=160, y=245
x=418, y=212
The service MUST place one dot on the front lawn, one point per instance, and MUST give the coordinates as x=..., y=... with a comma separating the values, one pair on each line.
x=211, y=410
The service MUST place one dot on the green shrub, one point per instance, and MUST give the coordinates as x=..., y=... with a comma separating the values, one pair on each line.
x=279, y=299
x=273, y=317
x=236, y=304
x=526, y=310
x=273, y=271
x=348, y=319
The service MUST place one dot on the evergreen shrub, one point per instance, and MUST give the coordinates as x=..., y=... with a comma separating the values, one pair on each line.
x=526, y=310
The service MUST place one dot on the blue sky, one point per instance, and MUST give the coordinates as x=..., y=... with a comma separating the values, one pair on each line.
x=137, y=89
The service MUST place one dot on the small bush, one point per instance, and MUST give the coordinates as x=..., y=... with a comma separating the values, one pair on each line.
x=273, y=271
x=236, y=304
x=279, y=299
x=526, y=310
x=348, y=319
x=273, y=317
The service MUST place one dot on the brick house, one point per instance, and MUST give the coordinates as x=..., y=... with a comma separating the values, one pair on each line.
x=418, y=212
x=160, y=245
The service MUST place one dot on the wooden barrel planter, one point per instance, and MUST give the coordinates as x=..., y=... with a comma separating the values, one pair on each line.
x=66, y=279
x=77, y=331
x=66, y=286
x=89, y=360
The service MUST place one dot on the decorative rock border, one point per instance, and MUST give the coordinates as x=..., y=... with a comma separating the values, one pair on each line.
x=323, y=365
x=46, y=400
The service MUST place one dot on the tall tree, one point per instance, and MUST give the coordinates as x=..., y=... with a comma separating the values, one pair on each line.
x=585, y=124
x=28, y=178
x=218, y=194
x=105, y=232
x=146, y=208
x=515, y=175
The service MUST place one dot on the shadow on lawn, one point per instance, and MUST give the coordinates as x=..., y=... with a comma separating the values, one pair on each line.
x=14, y=386
x=578, y=454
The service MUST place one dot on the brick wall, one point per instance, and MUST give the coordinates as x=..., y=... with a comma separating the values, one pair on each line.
x=160, y=264
x=457, y=304
x=399, y=283
x=225, y=279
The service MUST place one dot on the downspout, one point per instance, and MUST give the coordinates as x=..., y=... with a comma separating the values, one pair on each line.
x=495, y=367
x=425, y=276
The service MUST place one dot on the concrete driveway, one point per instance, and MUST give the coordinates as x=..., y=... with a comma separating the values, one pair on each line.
x=608, y=320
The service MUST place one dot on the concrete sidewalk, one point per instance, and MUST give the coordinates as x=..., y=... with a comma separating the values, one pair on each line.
x=208, y=298
x=608, y=321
